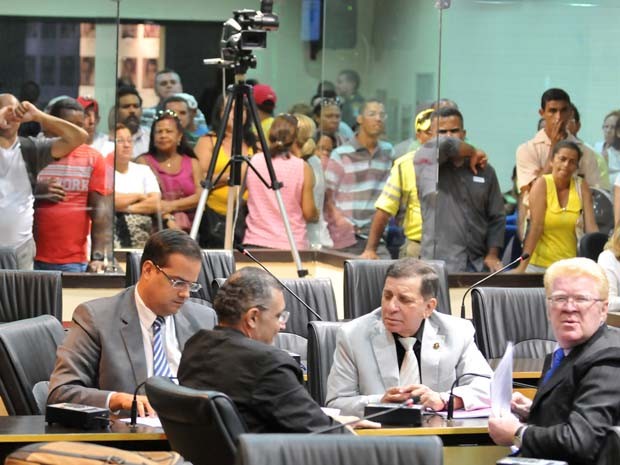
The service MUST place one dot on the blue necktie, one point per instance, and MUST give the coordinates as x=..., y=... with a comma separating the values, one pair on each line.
x=160, y=362
x=558, y=356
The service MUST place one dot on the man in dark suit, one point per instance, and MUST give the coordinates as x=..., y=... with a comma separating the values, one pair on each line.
x=577, y=399
x=115, y=343
x=238, y=359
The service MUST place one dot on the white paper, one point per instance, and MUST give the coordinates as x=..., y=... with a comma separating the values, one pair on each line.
x=331, y=412
x=145, y=421
x=462, y=413
x=501, y=384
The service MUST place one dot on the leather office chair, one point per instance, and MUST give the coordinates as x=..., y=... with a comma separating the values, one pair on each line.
x=603, y=205
x=26, y=294
x=293, y=343
x=203, y=426
x=591, y=245
x=335, y=449
x=27, y=356
x=511, y=314
x=8, y=258
x=321, y=346
x=215, y=264
x=363, y=286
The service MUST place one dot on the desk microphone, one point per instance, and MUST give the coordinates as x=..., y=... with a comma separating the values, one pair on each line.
x=455, y=384
x=247, y=253
x=134, y=402
x=525, y=256
x=407, y=403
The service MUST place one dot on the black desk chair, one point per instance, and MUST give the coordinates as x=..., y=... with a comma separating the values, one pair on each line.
x=336, y=449
x=215, y=264
x=591, y=245
x=27, y=356
x=321, y=346
x=202, y=426
x=27, y=294
x=512, y=314
x=363, y=286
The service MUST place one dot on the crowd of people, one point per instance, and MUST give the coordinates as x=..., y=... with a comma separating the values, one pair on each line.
x=343, y=184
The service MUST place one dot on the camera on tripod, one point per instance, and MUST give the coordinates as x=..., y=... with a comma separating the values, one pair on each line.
x=247, y=31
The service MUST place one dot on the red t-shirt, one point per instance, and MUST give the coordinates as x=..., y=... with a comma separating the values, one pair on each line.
x=61, y=229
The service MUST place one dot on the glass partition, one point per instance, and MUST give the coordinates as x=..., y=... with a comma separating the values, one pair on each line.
x=67, y=52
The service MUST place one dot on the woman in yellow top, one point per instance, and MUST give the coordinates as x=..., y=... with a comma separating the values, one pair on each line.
x=212, y=226
x=560, y=205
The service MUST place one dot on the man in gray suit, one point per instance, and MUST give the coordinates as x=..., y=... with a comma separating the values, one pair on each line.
x=115, y=342
x=407, y=350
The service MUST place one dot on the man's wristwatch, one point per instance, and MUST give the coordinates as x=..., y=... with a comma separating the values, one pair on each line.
x=96, y=257
x=517, y=440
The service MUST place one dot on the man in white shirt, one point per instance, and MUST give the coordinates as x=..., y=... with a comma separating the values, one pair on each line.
x=21, y=159
x=112, y=345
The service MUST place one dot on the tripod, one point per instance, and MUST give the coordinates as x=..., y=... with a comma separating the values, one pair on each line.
x=238, y=94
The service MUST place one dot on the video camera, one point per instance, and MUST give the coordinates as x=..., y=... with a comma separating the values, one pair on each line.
x=247, y=31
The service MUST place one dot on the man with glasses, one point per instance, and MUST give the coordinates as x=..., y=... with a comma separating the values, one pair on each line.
x=577, y=398
x=355, y=175
x=407, y=350
x=116, y=343
x=238, y=358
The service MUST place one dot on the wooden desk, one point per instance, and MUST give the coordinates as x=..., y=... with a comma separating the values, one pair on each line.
x=466, y=442
x=17, y=431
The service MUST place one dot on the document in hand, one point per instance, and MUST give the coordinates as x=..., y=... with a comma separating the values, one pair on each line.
x=501, y=384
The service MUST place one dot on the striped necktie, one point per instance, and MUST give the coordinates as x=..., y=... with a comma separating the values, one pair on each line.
x=160, y=362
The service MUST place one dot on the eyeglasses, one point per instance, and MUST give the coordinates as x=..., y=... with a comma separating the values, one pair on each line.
x=327, y=101
x=161, y=114
x=120, y=140
x=283, y=318
x=374, y=114
x=180, y=283
x=582, y=302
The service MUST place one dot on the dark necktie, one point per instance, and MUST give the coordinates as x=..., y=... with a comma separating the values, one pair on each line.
x=558, y=356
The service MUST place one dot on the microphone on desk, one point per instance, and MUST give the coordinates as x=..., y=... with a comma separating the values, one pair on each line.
x=247, y=253
x=134, y=402
x=407, y=403
x=525, y=256
x=450, y=415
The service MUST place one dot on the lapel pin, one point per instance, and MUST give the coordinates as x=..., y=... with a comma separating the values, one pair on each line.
x=436, y=345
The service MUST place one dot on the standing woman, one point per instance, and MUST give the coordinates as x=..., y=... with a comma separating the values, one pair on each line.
x=212, y=226
x=265, y=227
x=176, y=168
x=560, y=205
x=305, y=147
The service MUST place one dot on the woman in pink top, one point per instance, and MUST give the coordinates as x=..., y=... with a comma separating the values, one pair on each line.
x=177, y=170
x=265, y=227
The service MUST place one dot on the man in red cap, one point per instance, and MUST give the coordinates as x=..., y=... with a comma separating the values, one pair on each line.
x=265, y=98
x=96, y=140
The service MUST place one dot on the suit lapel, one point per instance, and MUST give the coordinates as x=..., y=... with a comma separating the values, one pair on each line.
x=183, y=329
x=382, y=343
x=132, y=336
x=561, y=373
x=430, y=351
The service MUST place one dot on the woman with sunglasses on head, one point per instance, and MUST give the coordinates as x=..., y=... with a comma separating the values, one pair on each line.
x=265, y=226
x=560, y=209
x=327, y=115
x=212, y=226
x=177, y=170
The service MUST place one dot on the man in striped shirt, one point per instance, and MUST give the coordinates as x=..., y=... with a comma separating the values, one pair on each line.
x=355, y=176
